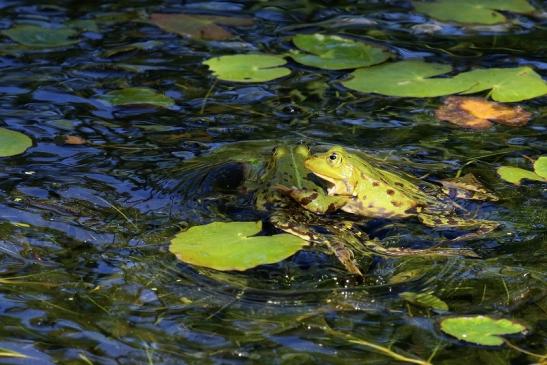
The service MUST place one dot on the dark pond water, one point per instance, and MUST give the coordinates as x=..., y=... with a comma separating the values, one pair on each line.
x=85, y=272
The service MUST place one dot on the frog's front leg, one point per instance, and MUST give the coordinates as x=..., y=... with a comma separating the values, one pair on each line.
x=481, y=227
x=318, y=202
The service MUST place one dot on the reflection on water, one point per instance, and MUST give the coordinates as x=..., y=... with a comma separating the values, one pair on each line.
x=85, y=275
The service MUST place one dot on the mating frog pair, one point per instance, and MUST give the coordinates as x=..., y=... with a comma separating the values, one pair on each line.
x=356, y=187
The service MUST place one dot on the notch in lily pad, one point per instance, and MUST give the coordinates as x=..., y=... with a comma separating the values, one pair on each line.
x=472, y=11
x=137, y=96
x=411, y=78
x=481, y=330
x=256, y=67
x=332, y=52
x=506, y=84
x=13, y=142
x=233, y=246
x=515, y=175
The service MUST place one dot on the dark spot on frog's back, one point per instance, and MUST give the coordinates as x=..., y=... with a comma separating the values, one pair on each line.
x=399, y=184
x=375, y=183
x=396, y=203
x=308, y=199
x=452, y=221
x=390, y=191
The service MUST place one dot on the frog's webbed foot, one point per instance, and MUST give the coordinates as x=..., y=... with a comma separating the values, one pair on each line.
x=316, y=201
x=481, y=227
x=467, y=187
x=376, y=247
x=343, y=254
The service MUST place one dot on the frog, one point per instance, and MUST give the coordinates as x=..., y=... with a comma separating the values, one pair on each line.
x=359, y=187
x=286, y=171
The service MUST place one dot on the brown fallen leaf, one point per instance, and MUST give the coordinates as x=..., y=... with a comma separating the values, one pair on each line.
x=479, y=113
x=198, y=26
x=74, y=140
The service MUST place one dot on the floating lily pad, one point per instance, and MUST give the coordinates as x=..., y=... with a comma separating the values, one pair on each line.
x=13, y=143
x=336, y=53
x=406, y=78
x=137, y=95
x=481, y=330
x=479, y=113
x=507, y=84
x=540, y=166
x=472, y=11
x=515, y=175
x=198, y=26
x=248, y=67
x=233, y=246
x=426, y=300
x=34, y=36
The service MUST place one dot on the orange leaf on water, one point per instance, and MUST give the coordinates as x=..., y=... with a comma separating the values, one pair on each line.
x=479, y=113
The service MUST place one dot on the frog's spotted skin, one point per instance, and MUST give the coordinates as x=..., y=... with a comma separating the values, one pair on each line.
x=286, y=174
x=360, y=188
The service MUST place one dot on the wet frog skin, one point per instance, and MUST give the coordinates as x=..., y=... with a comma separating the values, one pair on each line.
x=286, y=172
x=358, y=187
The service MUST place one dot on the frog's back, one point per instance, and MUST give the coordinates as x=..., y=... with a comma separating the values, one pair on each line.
x=383, y=193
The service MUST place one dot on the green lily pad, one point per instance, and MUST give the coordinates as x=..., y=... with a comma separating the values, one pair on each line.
x=540, y=166
x=515, y=175
x=336, y=53
x=507, y=84
x=198, y=26
x=248, y=67
x=233, y=246
x=406, y=78
x=426, y=300
x=481, y=330
x=13, y=143
x=137, y=95
x=472, y=11
x=34, y=36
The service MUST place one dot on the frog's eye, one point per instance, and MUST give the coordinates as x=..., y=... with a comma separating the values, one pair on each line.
x=333, y=156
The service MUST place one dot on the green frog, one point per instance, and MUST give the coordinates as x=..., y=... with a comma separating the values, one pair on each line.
x=285, y=173
x=359, y=187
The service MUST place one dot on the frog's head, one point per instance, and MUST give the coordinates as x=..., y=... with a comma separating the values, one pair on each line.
x=335, y=167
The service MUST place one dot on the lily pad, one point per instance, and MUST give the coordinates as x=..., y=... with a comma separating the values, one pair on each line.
x=481, y=330
x=472, y=11
x=515, y=175
x=406, y=78
x=233, y=246
x=35, y=36
x=507, y=84
x=248, y=67
x=336, y=53
x=426, y=300
x=137, y=95
x=13, y=143
x=198, y=26
x=540, y=166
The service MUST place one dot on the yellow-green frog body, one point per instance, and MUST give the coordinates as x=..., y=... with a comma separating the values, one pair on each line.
x=360, y=188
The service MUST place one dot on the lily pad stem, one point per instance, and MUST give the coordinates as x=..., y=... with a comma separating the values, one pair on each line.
x=206, y=97
x=381, y=349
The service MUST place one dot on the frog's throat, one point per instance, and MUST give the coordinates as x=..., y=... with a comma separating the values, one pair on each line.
x=337, y=186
